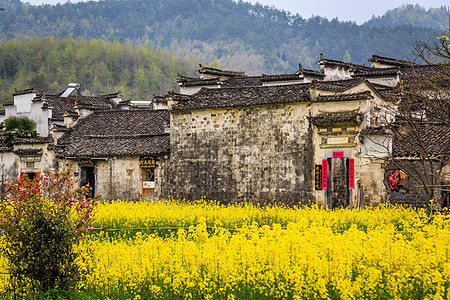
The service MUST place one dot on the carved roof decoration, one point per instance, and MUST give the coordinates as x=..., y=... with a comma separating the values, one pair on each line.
x=118, y=132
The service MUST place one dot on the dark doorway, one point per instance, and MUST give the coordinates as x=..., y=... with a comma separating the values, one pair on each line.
x=31, y=176
x=338, y=189
x=87, y=174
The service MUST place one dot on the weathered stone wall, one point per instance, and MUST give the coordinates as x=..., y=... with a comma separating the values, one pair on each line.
x=257, y=153
x=11, y=165
x=120, y=177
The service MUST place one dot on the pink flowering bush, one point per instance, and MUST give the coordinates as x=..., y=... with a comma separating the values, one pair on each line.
x=42, y=220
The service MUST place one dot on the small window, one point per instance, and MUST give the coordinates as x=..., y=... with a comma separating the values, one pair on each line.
x=148, y=174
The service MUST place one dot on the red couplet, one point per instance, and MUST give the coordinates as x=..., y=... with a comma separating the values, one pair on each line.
x=324, y=174
x=351, y=173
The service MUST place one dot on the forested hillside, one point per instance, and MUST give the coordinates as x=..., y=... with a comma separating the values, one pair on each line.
x=414, y=15
x=49, y=64
x=241, y=36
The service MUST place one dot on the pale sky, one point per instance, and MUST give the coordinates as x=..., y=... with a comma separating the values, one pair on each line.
x=345, y=10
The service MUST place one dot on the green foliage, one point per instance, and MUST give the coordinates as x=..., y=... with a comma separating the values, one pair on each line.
x=17, y=127
x=23, y=126
x=49, y=64
x=414, y=15
x=42, y=221
x=219, y=29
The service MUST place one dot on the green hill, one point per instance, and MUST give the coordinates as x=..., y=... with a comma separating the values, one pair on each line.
x=49, y=64
x=241, y=36
x=414, y=15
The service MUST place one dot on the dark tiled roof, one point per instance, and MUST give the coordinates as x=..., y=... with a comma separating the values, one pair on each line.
x=337, y=63
x=36, y=140
x=391, y=61
x=112, y=95
x=118, y=132
x=337, y=85
x=424, y=72
x=160, y=98
x=243, y=96
x=6, y=149
x=60, y=105
x=219, y=72
x=331, y=118
x=281, y=77
x=373, y=72
x=435, y=141
x=28, y=152
x=189, y=81
x=241, y=81
x=343, y=97
x=313, y=73
x=60, y=128
x=375, y=131
x=23, y=92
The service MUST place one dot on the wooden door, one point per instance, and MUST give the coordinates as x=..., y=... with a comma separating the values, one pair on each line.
x=339, y=182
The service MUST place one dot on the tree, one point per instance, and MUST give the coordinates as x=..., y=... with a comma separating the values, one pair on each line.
x=421, y=131
x=18, y=127
x=42, y=221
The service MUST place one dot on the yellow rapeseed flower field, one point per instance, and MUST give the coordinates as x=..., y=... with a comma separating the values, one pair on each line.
x=272, y=252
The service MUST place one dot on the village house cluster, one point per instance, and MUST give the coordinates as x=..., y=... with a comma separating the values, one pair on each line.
x=316, y=136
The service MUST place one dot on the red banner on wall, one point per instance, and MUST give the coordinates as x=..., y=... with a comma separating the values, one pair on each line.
x=324, y=174
x=351, y=173
x=338, y=154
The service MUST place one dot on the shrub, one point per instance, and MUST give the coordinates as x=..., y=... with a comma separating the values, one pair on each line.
x=42, y=221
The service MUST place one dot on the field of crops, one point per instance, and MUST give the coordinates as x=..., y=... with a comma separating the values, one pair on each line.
x=248, y=252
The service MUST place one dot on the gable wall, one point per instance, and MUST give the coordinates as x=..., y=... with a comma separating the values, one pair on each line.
x=258, y=153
